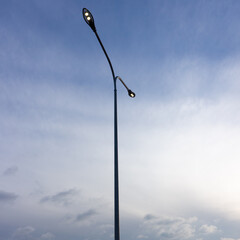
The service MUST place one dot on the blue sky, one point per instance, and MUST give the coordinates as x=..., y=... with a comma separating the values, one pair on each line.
x=178, y=139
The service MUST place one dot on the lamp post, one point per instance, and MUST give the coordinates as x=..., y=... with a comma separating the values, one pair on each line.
x=90, y=21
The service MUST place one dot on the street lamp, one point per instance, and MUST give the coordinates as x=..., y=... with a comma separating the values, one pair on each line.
x=90, y=21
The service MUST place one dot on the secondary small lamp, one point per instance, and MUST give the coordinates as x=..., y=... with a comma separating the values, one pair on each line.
x=131, y=94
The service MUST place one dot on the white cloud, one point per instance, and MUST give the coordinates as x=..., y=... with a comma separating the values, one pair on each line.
x=170, y=227
x=187, y=149
x=230, y=238
x=208, y=229
x=142, y=237
x=47, y=236
x=24, y=233
x=30, y=233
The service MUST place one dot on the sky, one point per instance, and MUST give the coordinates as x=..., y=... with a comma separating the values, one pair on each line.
x=178, y=138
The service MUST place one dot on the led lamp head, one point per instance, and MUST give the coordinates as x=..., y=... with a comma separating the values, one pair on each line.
x=88, y=17
x=131, y=93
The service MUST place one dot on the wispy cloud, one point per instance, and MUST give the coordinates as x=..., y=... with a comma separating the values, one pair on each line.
x=142, y=237
x=23, y=233
x=10, y=171
x=85, y=215
x=47, y=236
x=7, y=196
x=30, y=233
x=230, y=238
x=64, y=197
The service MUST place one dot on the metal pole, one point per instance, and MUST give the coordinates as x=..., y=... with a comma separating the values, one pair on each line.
x=116, y=187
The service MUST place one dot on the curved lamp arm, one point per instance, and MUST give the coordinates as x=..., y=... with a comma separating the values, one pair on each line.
x=88, y=17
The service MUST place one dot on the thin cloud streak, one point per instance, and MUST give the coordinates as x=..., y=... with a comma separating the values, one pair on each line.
x=7, y=196
x=85, y=215
x=63, y=197
x=10, y=171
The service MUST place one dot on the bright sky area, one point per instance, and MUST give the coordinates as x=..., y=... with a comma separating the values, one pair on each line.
x=178, y=139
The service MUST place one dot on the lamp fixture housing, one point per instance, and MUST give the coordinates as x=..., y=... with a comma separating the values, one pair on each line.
x=88, y=17
x=131, y=93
